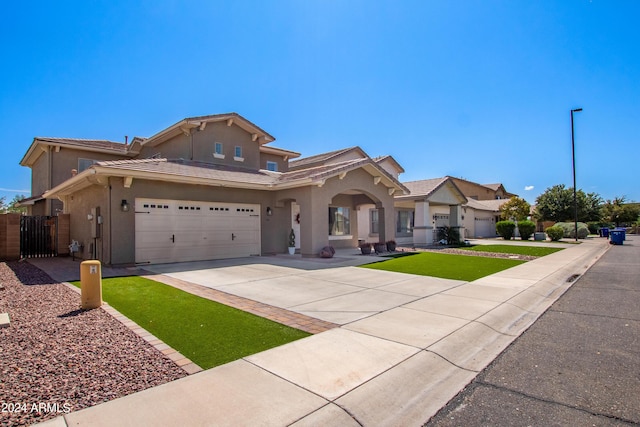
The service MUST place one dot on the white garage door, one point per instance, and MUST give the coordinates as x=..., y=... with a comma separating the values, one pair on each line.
x=484, y=227
x=178, y=231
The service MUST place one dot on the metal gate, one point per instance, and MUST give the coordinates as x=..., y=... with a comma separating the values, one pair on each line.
x=38, y=236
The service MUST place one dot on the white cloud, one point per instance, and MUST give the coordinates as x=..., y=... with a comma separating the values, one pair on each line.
x=14, y=191
x=528, y=188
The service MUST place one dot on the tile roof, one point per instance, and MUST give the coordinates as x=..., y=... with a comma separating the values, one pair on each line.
x=486, y=205
x=191, y=169
x=424, y=187
x=322, y=157
x=101, y=144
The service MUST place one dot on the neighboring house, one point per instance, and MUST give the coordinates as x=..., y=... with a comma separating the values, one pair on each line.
x=205, y=188
x=475, y=191
x=482, y=210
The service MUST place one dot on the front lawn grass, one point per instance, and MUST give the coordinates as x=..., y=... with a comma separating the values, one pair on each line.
x=207, y=332
x=447, y=266
x=514, y=249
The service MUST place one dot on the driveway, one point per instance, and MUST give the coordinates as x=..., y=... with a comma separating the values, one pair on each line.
x=332, y=290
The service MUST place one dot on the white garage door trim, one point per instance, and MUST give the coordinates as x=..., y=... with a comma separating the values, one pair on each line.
x=179, y=231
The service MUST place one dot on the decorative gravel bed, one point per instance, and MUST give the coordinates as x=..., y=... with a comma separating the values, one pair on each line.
x=56, y=358
x=477, y=253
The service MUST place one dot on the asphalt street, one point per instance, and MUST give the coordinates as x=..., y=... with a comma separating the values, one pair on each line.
x=578, y=365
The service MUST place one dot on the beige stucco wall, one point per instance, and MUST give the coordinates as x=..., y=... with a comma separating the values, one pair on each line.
x=314, y=204
x=274, y=228
x=199, y=145
x=474, y=191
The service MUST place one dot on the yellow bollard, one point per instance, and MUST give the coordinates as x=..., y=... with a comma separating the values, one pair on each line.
x=90, y=284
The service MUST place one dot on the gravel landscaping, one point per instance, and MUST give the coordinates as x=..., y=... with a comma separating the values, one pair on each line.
x=474, y=253
x=56, y=358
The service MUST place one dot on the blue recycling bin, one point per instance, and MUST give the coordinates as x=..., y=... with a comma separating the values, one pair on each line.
x=617, y=237
x=604, y=231
x=624, y=232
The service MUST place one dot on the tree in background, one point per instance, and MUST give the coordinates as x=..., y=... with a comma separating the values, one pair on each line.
x=11, y=206
x=515, y=209
x=556, y=204
x=619, y=212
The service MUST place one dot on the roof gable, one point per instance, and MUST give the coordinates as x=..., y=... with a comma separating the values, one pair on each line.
x=328, y=158
x=41, y=144
x=185, y=126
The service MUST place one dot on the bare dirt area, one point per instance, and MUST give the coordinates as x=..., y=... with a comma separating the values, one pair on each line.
x=56, y=358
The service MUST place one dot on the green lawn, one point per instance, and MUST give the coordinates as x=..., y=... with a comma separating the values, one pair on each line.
x=447, y=266
x=205, y=331
x=513, y=249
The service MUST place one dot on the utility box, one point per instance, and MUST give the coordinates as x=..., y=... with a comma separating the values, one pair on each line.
x=90, y=284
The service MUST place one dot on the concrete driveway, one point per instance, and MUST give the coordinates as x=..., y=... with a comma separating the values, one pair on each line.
x=321, y=289
x=408, y=344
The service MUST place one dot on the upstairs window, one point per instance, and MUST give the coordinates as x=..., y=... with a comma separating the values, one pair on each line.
x=237, y=154
x=272, y=166
x=84, y=164
x=218, y=154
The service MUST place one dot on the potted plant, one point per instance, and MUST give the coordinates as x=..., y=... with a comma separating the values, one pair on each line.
x=380, y=247
x=292, y=242
x=391, y=245
x=365, y=248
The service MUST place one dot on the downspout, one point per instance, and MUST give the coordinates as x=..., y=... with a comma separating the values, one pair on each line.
x=110, y=216
x=191, y=144
x=49, y=179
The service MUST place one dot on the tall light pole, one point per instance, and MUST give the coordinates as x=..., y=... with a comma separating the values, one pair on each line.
x=573, y=155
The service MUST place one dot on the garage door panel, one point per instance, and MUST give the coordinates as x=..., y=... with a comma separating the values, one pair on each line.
x=176, y=231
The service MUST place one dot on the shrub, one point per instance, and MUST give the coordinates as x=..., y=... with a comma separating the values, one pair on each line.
x=526, y=228
x=593, y=227
x=506, y=229
x=555, y=233
x=570, y=229
x=450, y=234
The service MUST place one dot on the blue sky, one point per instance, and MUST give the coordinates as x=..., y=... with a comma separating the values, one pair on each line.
x=475, y=89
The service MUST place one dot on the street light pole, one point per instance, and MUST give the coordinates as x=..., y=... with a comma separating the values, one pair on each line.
x=573, y=155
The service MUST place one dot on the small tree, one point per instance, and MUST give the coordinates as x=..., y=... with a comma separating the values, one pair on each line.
x=506, y=229
x=526, y=228
x=515, y=209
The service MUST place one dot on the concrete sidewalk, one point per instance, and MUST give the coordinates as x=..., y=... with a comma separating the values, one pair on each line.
x=396, y=365
x=579, y=364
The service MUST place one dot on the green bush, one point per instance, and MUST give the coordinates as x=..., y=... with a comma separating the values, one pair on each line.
x=555, y=233
x=593, y=227
x=450, y=234
x=506, y=229
x=526, y=228
x=570, y=229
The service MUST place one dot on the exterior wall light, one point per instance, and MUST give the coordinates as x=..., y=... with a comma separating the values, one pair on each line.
x=124, y=206
x=269, y=211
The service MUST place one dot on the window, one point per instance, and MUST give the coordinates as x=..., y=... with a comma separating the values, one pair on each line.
x=405, y=222
x=218, y=154
x=237, y=154
x=373, y=220
x=339, y=224
x=272, y=166
x=84, y=164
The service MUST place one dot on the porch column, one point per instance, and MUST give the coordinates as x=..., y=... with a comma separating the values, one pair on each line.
x=422, y=229
x=314, y=224
x=455, y=219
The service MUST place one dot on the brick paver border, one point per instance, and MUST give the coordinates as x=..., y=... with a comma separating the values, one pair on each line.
x=280, y=315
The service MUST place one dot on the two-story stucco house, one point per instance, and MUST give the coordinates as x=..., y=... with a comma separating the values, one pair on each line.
x=204, y=188
x=214, y=187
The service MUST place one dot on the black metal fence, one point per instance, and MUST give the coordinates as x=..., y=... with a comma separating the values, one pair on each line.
x=38, y=236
